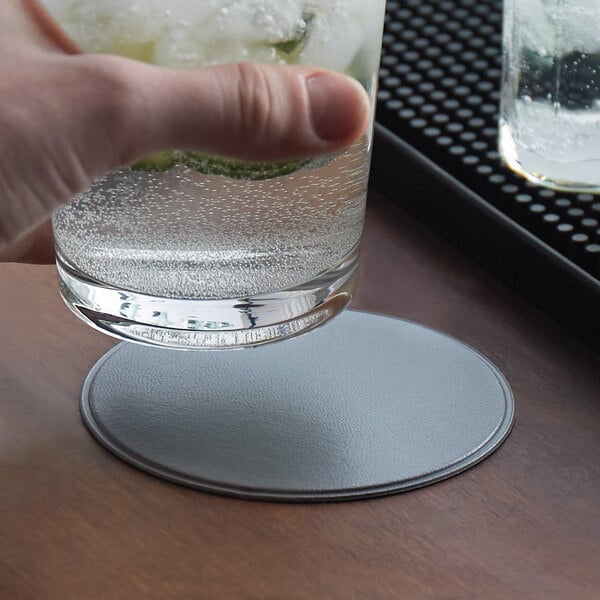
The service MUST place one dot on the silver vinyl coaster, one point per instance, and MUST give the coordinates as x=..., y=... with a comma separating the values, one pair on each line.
x=364, y=406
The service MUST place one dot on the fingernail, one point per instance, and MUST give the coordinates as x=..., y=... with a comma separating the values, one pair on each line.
x=338, y=106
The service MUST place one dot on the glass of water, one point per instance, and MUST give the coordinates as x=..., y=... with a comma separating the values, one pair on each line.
x=550, y=109
x=187, y=250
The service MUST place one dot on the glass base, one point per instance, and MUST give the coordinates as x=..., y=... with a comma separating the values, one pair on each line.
x=209, y=324
x=574, y=176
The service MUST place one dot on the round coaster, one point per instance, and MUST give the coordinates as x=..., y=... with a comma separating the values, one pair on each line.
x=364, y=406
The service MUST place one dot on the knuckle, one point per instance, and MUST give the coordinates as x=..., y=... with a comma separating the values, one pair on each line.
x=257, y=101
x=110, y=98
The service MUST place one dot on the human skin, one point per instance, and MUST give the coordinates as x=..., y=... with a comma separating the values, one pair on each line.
x=67, y=117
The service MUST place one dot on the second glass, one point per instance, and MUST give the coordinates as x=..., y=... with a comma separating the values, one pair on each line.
x=193, y=251
x=550, y=113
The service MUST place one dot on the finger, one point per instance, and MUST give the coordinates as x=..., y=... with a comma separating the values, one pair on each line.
x=52, y=33
x=243, y=110
x=36, y=247
x=249, y=111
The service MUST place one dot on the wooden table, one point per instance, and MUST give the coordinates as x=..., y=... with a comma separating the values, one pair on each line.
x=76, y=523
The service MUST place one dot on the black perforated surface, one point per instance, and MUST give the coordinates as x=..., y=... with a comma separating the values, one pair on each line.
x=439, y=92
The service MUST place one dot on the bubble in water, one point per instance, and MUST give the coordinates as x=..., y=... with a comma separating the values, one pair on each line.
x=181, y=234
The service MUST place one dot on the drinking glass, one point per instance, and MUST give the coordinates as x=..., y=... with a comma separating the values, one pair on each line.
x=550, y=109
x=187, y=250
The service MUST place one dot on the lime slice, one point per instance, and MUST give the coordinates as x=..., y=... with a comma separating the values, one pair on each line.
x=209, y=164
x=159, y=161
x=361, y=69
x=289, y=50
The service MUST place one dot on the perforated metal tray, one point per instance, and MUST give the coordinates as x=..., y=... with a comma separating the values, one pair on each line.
x=437, y=111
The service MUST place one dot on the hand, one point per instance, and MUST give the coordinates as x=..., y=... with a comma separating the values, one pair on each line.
x=67, y=117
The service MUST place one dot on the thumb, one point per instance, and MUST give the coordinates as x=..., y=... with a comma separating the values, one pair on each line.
x=248, y=111
x=244, y=110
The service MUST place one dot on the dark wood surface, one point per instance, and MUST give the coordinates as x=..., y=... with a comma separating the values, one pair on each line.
x=76, y=523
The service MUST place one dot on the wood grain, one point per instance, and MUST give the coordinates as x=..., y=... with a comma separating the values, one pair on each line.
x=76, y=523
